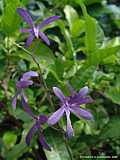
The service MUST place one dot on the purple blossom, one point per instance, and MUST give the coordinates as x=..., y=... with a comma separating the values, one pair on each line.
x=39, y=120
x=34, y=30
x=23, y=83
x=71, y=104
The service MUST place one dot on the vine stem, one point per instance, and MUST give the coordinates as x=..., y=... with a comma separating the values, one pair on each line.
x=48, y=96
x=67, y=147
x=40, y=73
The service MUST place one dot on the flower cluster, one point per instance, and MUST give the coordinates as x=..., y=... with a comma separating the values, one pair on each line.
x=68, y=105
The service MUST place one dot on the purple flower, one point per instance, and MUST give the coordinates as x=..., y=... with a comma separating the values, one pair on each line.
x=39, y=120
x=71, y=104
x=34, y=30
x=23, y=83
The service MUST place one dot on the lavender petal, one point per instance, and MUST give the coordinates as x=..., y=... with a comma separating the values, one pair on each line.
x=29, y=40
x=27, y=107
x=80, y=112
x=70, y=88
x=85, y=100
x=43, y=141
x=23, y=84
x=77, y=100
x=26, y=17
x=59, y=94
x=14, y=101
x=28, y=75
x=83, y=91
x=42, y=119
x=48, y=21
x=54, y=118
x=30, y=134
x=69, y=126
x=44, y=38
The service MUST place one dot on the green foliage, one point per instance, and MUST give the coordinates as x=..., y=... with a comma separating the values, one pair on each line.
x=75, y=23
x=112, y=129
x=10, y=20
x=90, y=29
x=9, y=139
x=85, y=49
x=57, y=144
x=113, y=93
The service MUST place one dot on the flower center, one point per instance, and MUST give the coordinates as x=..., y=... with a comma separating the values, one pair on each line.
x=66, y=104
x=36, y=32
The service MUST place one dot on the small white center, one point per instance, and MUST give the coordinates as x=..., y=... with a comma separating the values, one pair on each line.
x=36, y=32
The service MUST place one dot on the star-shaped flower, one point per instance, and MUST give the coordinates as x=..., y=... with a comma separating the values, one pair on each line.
x=39, y=120
x=23, y=83
x=34, y=30
x=71, y=104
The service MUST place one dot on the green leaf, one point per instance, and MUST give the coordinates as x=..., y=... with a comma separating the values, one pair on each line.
x=9, y=139
x=16, y=151
x=99, y=35
x=56, y=69
x=101, y=54
x=76, y=25
x=20, y=114
x=70, y=50
x=83, y=76
x=90, y=29
x=10, y=19
x=42, y=53
x=56, y=142
x=112, y=129
x=113, y=93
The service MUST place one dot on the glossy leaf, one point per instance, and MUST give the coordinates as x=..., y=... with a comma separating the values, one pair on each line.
x=59, y=151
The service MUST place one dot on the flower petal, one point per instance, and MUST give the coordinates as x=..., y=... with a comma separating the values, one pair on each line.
x=83, y=91
x=23, y=84
x=30, y=134
x=29, y=40
x=59, y=94
x=69, y=126
x=44, y=38
x=85, y=100
x=54, y=118
x=43, y=141
x=48, y=21
x=27, y=107
x=14, y=101
x=28, y=75
x=26, y=17
x=70, y=88
x=42, y=119
x=80, y=112
x=77, y=100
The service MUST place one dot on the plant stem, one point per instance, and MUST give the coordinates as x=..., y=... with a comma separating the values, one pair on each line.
x=40, y=74
x=68, y=148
